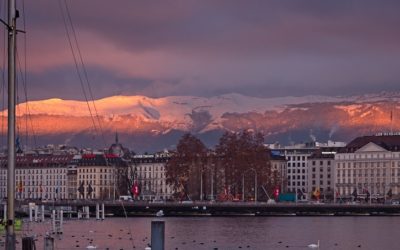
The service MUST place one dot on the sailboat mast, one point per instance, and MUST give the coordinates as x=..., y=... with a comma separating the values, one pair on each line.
x=12, y=31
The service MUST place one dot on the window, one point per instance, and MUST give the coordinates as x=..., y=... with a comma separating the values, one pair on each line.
x=313, y=169
x=313, y=163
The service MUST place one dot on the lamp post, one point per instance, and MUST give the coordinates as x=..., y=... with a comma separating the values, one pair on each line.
x=201, y=185
x=255, y=186
x=243, y=187
x=212, y=185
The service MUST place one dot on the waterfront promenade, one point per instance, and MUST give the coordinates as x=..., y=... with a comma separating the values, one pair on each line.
x=138, y=208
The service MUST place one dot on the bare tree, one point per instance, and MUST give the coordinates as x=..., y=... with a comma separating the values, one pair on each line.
x=185, y=166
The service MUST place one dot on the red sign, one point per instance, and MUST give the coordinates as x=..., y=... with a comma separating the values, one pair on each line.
x=276, y=192
x=135, y=189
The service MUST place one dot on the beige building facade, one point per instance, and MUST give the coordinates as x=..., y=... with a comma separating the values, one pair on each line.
x=370, y=165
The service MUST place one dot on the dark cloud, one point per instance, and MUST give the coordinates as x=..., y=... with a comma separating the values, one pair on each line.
x=65, y=83
x=187, y=47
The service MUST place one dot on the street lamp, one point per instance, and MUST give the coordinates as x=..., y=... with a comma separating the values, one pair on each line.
x=211, y=183
x=201, y=184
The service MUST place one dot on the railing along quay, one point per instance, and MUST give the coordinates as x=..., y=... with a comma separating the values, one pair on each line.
x=118, y=208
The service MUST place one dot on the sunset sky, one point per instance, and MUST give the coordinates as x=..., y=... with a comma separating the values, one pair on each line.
x=207, y=48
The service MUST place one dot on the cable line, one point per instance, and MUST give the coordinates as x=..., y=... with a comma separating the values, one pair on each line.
x=77, y=65
x=84, y=70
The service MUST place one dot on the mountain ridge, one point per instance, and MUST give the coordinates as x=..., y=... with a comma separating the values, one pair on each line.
x=155, y=119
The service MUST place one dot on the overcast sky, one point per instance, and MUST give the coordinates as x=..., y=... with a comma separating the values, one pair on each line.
x=207, y=48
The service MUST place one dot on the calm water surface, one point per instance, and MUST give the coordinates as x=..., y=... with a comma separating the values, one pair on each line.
x=372, y=233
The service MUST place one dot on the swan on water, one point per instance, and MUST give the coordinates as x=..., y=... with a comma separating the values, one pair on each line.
x=91, y=247
x=160, y=213
x=314, y=245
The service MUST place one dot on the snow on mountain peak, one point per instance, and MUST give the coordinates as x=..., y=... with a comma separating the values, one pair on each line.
x=179, y=109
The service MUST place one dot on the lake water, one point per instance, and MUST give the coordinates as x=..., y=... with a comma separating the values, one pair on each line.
x=339, y=233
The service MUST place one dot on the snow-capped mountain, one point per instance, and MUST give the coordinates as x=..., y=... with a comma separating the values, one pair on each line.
x=154, y=123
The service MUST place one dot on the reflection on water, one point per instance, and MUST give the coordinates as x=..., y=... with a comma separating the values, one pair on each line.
x=192, y=233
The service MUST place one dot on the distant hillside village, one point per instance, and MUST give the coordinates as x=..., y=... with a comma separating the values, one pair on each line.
x=238, y=169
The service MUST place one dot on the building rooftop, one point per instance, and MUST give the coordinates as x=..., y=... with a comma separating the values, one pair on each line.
x=388, y=142
x=39, y=160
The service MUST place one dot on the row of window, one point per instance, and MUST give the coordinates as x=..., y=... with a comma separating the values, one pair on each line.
x=364, y=164
x=296, y=158
x=321, y=169
x=365, y=156
x=321, y=176
x=303, y=183
x=94, y=170
x=294, y=177
x=321, y=163
x=298, y=171
x=303, y=164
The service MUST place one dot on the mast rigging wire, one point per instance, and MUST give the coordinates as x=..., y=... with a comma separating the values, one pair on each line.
x=84, y=70
x=77, y=66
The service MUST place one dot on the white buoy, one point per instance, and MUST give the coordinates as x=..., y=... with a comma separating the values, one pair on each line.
x=314, y=245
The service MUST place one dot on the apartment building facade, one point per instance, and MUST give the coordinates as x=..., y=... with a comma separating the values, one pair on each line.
x=150, y=176
x=369, y=164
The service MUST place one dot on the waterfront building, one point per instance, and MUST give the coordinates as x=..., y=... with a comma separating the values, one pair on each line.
x=101, y=176
x=321, y=181
x=369, y=166
x=297, y=171
x=279, y=169
x=149, y=174
x=38, y=176
x=299, y=174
